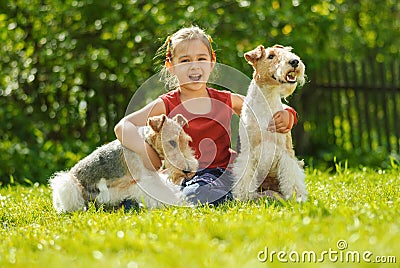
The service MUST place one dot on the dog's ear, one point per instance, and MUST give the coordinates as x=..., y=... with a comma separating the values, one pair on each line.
x=278, y=46
x=254, y=55
x=156, y=122
x=181, y=120
x=283, y=47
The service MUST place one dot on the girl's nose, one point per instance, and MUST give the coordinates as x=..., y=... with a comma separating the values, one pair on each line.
x=194, y=65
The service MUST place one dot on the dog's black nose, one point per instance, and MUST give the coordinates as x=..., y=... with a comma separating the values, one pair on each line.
x=294, y=63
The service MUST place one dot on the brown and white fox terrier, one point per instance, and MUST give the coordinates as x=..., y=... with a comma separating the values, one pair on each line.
x=267, y=162
x=113, y=173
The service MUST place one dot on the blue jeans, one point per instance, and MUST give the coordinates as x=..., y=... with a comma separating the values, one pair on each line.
x=209, y=186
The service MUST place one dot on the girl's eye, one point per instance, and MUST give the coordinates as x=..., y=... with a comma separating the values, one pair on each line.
x=202, y=59
x=185, y=60
x=271, y=56
x=173, y=143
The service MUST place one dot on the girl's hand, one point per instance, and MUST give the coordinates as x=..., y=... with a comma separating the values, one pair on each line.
x=282, y=122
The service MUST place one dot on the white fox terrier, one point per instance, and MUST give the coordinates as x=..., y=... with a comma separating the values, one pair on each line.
x=113, y=173
x=266, y=163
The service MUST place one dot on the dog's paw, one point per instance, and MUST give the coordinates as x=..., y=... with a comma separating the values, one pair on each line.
x=301, y=197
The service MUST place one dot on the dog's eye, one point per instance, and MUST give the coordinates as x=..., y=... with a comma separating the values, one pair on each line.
x=173, y=143
x=271, y=56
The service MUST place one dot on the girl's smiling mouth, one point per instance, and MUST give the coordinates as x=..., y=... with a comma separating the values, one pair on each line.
x=195, y=77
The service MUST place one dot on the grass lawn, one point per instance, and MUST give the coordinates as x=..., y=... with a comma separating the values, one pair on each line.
x=349, y=214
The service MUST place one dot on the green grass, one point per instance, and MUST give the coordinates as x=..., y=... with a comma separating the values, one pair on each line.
x=361, y=207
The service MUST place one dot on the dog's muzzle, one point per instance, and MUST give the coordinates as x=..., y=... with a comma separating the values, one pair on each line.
x=291, y=76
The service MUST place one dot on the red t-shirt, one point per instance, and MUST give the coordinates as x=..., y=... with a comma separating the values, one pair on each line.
x=211, y=132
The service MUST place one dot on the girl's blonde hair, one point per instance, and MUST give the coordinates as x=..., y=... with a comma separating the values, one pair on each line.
x=184, y=34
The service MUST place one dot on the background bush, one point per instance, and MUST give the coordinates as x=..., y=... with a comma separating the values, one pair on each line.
x=69, y=68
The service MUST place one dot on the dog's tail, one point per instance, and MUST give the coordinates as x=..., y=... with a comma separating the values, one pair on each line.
x=67, y=192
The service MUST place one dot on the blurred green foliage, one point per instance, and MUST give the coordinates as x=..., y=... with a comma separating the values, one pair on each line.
x=69, y=68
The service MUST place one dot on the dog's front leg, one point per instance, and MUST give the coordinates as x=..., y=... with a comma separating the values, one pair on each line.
x=243, y=171
x=104, y=195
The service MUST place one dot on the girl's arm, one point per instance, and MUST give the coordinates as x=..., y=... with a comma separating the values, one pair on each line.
x=127, y=133
x=284, y=120
x=237, y=103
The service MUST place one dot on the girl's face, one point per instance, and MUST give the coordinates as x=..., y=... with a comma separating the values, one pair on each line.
x=192, y=64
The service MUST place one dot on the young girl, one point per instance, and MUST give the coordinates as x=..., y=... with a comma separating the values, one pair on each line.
x=190, y=59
